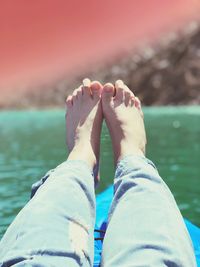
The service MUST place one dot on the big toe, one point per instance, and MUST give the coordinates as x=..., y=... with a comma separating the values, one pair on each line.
x=96, y=89
x=108, y=92
x=86, y=87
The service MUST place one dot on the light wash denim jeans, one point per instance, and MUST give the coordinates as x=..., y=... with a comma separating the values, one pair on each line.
x=56, y=227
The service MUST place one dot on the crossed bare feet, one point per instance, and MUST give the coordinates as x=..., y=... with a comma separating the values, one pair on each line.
x=123, y=115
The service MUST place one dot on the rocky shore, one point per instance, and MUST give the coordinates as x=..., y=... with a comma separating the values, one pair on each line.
x=166, y=73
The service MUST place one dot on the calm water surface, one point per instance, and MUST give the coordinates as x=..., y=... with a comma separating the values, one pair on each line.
x=32, y=142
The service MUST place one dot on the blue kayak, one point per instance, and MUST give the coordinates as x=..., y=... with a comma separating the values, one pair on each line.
x=103, y=202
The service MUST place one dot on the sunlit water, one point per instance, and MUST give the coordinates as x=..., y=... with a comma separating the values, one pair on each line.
x=32, y=142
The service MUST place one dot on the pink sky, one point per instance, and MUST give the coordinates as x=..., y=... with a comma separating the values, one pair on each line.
x=41, y=40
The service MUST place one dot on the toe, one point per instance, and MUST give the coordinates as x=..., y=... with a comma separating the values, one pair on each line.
x=96, y=89
x=127, y=89
x=127, y=98
x=75, y=92
x=120, y=90
x=108, y=91
x=75, y=96
x=86, y=87
x=69, y=101
x=137, y=104
x=132, y=100
x=79, y=92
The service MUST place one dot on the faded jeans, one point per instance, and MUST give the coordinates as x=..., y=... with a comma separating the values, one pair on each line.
x=56, y=227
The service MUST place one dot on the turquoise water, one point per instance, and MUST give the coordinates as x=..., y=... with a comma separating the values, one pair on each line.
x=32, y=142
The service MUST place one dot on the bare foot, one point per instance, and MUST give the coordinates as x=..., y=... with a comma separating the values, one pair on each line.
x=124, y=118
x=84, y=122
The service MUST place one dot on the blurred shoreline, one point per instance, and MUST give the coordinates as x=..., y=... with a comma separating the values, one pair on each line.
x=166, y=73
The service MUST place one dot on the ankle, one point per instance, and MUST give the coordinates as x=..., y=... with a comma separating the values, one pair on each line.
x=128, y=149
x=83, y=152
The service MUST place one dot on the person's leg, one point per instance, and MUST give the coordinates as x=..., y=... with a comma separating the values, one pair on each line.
x=145, y=227
x=56, y=227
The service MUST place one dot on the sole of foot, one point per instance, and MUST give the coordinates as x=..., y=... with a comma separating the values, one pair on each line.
x=84, y=122
x=124, y=118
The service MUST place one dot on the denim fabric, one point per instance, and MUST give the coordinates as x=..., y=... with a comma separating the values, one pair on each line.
x=56, y=227
x=144, y=221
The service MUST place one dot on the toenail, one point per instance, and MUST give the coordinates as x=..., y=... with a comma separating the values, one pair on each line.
x=119, y=83
x=96, y=86
x=108, y=88
x=86, y=82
